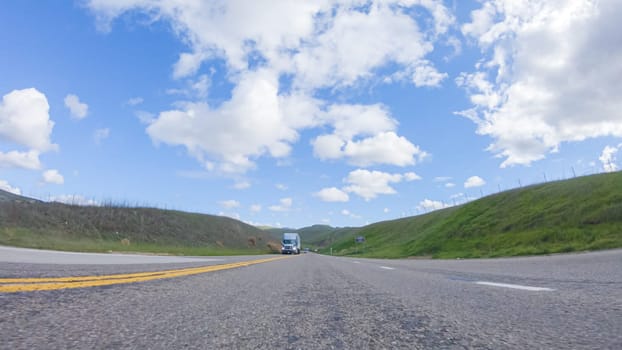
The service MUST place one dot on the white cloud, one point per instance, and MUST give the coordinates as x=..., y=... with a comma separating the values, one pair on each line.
x=101, y=134
x=135, y=101
x=285, y=204
x=318, y=45
x=78, y=109
x=428, y=204
x=230, y=215
x=551, y=75
x=74, y=200
x=332, y=194
x=255, y=208
x=25, y=121
x=145, y=117
x=252, y=124
x=5, y=186
x=383, y=148
x=608, y=158
x=241, y=185
x=52, y=176
x=370, y=184
x=25, y=160
x=411, y=176
x=230, y=204
x=474, y=181
x=385, y=210
x=281, y=187
x=450, y=185
x=428, y=76
x=336, y=58
x=364, y=135
x=346, y=212
x=442, y=178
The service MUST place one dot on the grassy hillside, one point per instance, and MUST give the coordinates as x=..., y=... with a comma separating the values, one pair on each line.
x=573, y=215
x=30, y=223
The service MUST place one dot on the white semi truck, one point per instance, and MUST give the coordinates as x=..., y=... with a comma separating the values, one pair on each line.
x=290, y=243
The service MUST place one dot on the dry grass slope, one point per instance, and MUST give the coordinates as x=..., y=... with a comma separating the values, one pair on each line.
x=31, y=223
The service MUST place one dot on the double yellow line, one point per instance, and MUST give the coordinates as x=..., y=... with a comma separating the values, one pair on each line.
x=13, y=285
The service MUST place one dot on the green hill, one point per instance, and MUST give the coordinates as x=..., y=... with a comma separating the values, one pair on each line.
x=30, y=223
x=572, y=215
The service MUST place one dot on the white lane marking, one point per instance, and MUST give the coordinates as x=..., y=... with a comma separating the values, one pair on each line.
x=515, y=286
x=356, y=262
x=387, y=268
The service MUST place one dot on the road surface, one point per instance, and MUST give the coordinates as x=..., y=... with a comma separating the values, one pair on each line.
x=320, y=302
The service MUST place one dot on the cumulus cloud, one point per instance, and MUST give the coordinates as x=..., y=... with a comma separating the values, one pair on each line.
x=25, y=122
x=230, y=204
x=255, y=208
x=551, y=75
x=608, y=158
x=52, y=176
x=251, y=124
x=369, y=184
x=281, y=187
x=25, y=160
x=5, y=186
x=365, y=136
x=78, y=109
x=474, y=181
x=285, y=204
x=315, y=43
x=428, y=204
x=332, y=194
x=411, y=176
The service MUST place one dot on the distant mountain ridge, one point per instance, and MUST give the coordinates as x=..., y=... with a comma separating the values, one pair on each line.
x=317, y=236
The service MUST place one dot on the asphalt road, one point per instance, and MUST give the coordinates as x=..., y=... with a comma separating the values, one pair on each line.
x=320, y=302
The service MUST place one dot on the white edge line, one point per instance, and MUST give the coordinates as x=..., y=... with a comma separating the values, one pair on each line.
x=515, y=286
x=387, y=268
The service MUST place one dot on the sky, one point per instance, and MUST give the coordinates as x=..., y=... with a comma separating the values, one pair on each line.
x=293, y=113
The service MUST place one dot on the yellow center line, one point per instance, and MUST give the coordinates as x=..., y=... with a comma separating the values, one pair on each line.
x=13, y=285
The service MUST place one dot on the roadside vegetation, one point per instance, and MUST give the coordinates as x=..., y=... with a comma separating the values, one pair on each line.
x=573, y=215
x=30, y=223
x=580, y=214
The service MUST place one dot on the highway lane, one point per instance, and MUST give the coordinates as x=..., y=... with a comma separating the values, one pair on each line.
x=321, y=302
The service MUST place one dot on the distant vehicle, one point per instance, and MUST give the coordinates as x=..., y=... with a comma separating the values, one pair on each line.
x=306, y=250
x=290, y=243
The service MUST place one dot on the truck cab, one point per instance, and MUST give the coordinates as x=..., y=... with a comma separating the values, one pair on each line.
x=290, y=243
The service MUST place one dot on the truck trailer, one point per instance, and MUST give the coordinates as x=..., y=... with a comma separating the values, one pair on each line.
x=290, y=243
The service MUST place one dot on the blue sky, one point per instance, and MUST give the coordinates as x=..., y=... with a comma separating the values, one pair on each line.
x=289, y=113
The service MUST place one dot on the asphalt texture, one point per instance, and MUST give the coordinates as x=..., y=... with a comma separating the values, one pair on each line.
x=321, y=302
